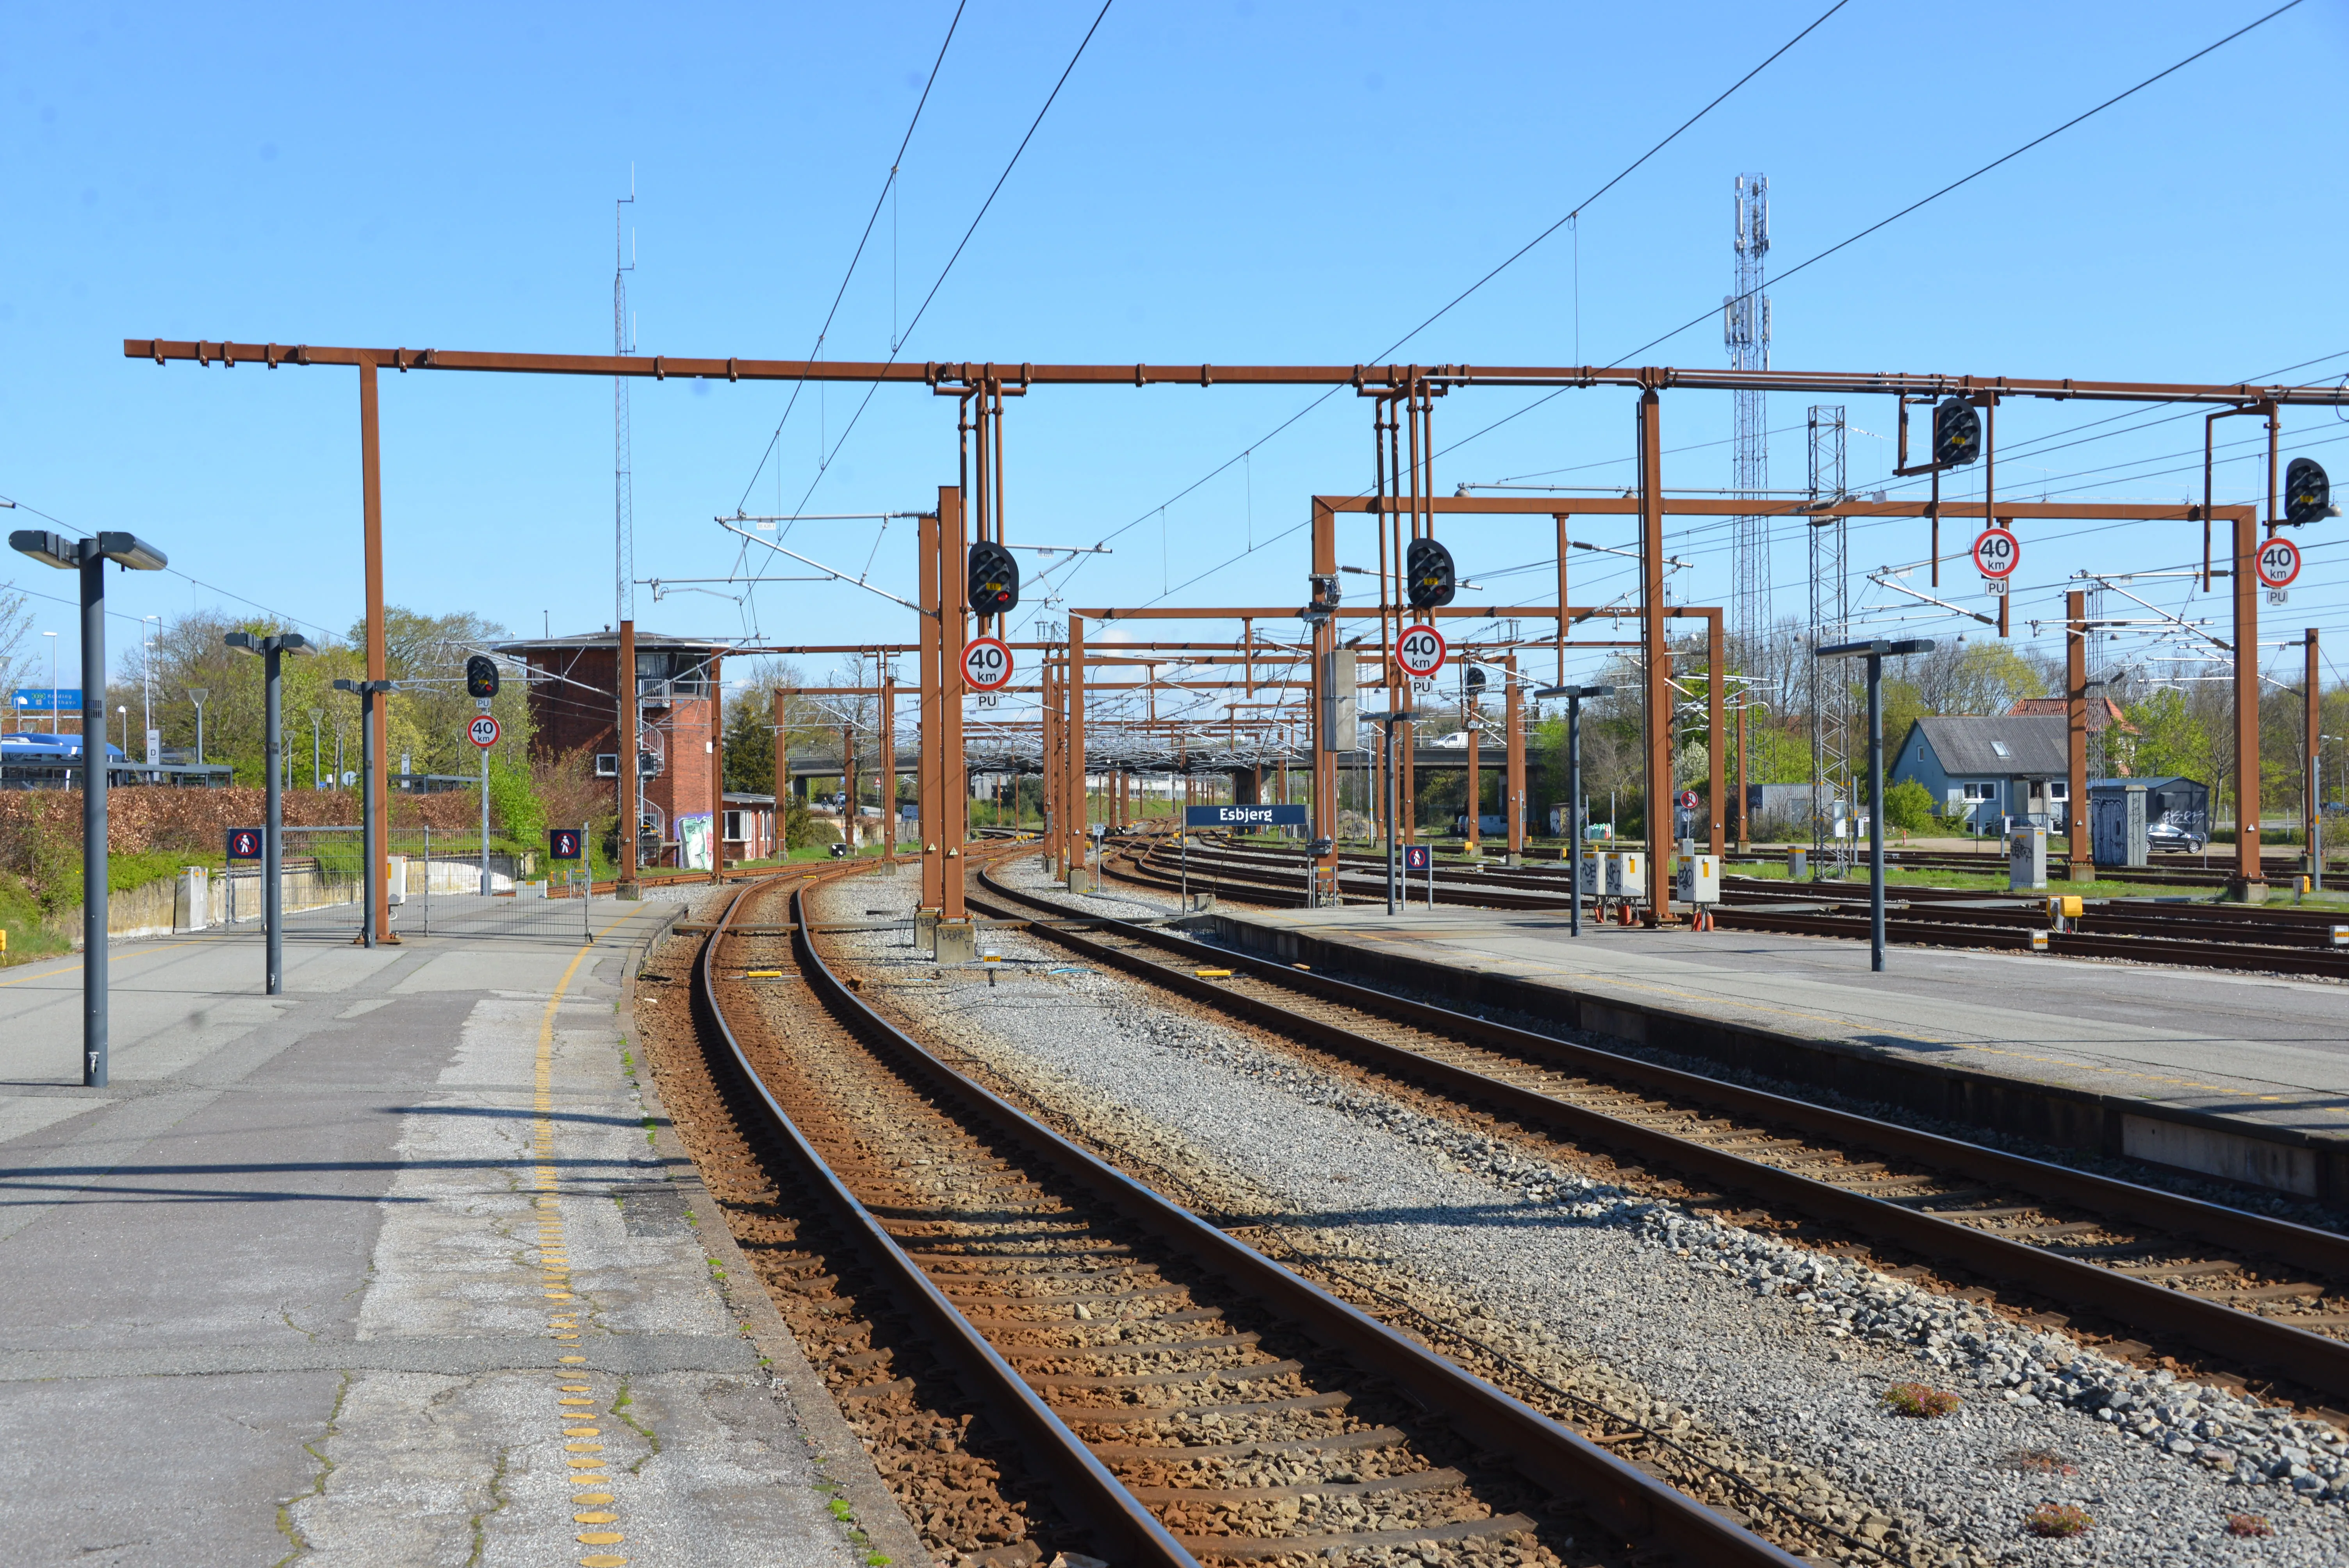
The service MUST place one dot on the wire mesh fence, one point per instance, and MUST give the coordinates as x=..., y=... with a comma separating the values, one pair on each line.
x=440, y=884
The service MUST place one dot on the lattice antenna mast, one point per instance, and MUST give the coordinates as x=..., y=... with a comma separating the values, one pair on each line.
x=1832, y=799
x=624, y=520
x=1745, y=331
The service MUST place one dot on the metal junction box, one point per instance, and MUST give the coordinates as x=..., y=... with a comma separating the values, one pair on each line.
x=1627, y=876
x=1697, y=879
x=2026, y=858
x=2117, y=824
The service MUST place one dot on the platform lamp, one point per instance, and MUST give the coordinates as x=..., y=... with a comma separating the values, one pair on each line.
x=1875, y=652
x=90, y=556
x=272, y=831
x=370, y=807
x=1574, y=696
x=1386, y=722
x=197, y=695
x=317, y=750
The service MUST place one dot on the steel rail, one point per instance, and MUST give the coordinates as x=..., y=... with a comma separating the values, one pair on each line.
x=2290, y=1354
x=1621, y=1497
x=960, y=375
x=1126, y=1530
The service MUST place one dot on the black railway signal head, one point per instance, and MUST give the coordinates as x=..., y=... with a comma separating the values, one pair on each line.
x=1473, y=678
x=1428, y=577
x=2307, y=493
x=994, y=579
x=480, y=676
x=1957, y=432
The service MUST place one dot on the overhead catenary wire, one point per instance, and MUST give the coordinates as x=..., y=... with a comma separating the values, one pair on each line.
x=2044, y=137
x=824, y=464
x=887, y=186
x=1573, y=217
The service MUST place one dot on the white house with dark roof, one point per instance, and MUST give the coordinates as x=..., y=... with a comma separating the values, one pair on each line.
x=1984, y=770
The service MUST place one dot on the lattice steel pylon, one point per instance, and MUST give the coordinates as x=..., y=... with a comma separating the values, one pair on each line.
x=624, y=520
x=1745, y=331
x=1831, y=795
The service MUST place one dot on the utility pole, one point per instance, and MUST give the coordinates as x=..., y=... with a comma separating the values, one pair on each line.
x=273, y=833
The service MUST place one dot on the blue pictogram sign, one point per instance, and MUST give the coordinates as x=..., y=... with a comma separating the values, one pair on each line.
x=562, y=843
x=244, y=843
x=1416, y=857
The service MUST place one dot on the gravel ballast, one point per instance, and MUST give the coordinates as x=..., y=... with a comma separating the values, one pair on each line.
x=1772, y=1350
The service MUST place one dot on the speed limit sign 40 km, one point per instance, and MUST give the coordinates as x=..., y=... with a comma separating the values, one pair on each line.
x=987, y=663
x=2279, y=562
x=1997, y=553
x=1420, y=651
x=482, y=732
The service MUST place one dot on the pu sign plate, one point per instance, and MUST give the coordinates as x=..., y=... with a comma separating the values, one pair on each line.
x=2279, y=562
x=482, y=732
x=986, y=664
x=1997, y=553
x=1420, y=651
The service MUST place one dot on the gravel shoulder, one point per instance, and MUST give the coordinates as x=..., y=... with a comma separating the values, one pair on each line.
x=1768, y=1356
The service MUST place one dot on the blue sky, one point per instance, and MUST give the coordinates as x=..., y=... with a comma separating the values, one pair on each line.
x=1219, y=183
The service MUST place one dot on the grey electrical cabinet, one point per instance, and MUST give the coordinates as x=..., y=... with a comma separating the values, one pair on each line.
x=2117, y=824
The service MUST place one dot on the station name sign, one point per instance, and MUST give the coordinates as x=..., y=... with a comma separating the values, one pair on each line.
x=1244, y=816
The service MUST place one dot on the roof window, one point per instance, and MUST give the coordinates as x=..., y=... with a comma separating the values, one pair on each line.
x=2000, y=746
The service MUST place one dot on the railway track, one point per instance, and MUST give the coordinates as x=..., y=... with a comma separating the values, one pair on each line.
x=2261, y=1299
x=2200, y=935
x=1183, y=1396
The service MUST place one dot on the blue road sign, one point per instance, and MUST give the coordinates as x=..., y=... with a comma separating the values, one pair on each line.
x=1244, y=816
x=1416, y=857
x=244, y=843
x=562, y=843
x=47, y=699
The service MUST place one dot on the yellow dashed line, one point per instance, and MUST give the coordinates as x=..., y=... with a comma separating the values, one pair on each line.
x=572, y=1410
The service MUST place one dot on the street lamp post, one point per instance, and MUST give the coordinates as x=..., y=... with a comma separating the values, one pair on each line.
x=90, y=556
x=53, y=680
x=370, y=807
x=1386, y=722
x=318, y=755
x=155, y=748
x=1875, y=652
x=1574, y=696
x=272, y=831
x=196, y=694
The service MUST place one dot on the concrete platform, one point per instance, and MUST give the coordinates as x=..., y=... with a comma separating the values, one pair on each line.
x=2238, y=1076
x=400, y=1267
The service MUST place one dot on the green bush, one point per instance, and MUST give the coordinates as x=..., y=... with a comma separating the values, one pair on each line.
x=29, y=937
x=1909, y=806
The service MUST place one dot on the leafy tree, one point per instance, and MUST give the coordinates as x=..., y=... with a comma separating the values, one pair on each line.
x=2171, y=738
x=1909, y=806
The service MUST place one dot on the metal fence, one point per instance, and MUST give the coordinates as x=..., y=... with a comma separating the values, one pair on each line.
x=437, y=888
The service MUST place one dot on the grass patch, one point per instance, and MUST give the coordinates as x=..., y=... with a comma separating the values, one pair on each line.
x=21, y=916
x=2057, y=1519
x=1919, y=1400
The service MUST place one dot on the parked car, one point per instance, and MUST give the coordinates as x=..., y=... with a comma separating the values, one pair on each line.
x=2167, y=835
x=1456, y=741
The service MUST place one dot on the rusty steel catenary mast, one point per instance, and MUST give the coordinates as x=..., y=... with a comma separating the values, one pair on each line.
x=1745, y=331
